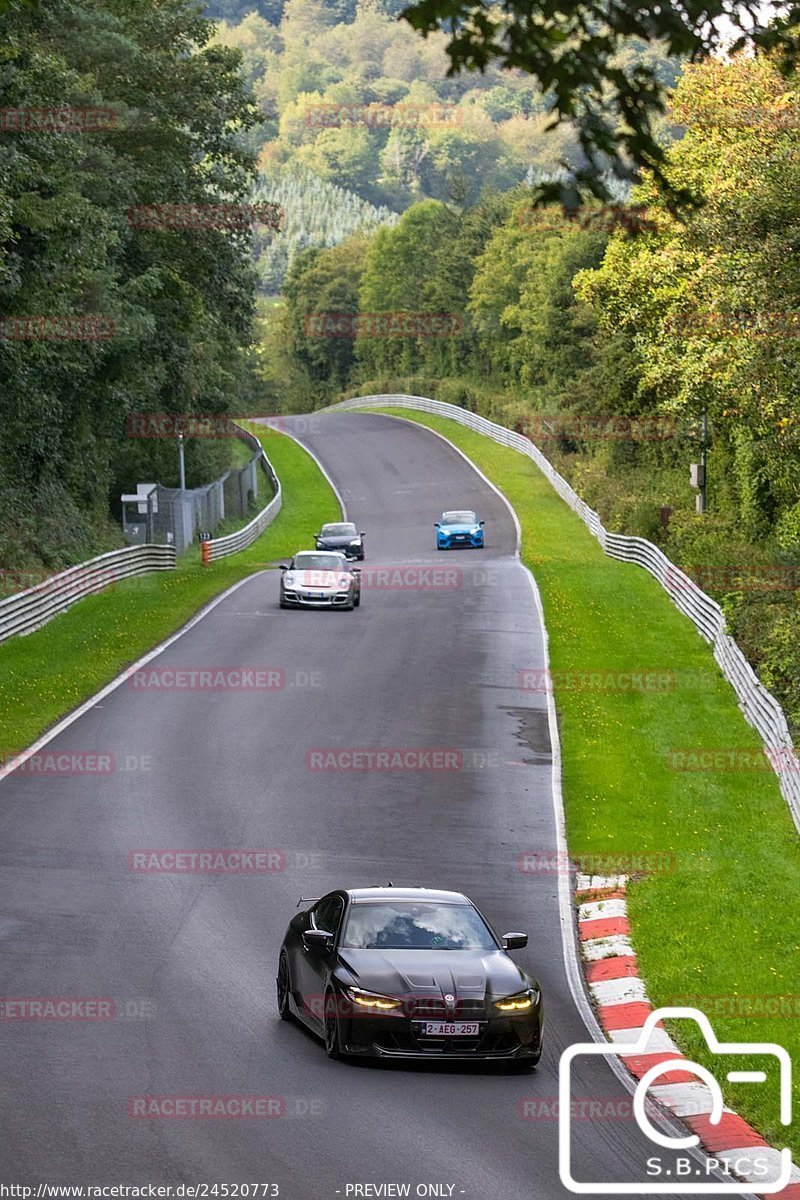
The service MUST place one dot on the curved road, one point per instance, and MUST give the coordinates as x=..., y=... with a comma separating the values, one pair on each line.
x=190, y=958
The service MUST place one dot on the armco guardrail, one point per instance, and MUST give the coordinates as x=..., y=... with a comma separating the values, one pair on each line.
x=26, y=611
x=759, y=706
x=232, y=542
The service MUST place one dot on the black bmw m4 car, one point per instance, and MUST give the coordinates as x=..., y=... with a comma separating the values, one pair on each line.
x=411, y=973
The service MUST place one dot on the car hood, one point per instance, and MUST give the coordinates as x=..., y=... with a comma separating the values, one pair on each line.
x=318, y=579
x=464, y=974
x=333, y=542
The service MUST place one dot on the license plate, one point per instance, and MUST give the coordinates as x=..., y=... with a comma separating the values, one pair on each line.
x=316, y=595
x=450, y=1029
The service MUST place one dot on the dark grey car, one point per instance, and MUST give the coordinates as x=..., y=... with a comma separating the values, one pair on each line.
x=343, y=536
x=402, y=972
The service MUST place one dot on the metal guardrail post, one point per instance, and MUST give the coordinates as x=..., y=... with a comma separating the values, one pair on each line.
x=26, y=611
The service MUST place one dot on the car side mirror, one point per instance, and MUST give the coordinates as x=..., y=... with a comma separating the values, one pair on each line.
x=436, y=525
x=319, y=940
x=316, y=535
x=481, y=522
x=515, y=941
x=283, y=566
x=362, y=533
x=356, y=570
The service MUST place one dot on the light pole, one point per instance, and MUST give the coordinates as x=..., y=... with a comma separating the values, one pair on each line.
x=698, y=473
x=182, y=463
x=704, y=463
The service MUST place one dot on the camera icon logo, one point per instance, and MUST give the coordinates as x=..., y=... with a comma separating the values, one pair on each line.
x=642, y=1108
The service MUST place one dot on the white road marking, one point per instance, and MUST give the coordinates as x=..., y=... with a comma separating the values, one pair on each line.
x=618, y=991
x=602, y=910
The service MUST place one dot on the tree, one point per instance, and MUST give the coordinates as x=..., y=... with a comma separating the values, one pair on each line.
x=712, y=302
x=398, y=266
x=177, y=302
x=322, y=292
x=569, y=46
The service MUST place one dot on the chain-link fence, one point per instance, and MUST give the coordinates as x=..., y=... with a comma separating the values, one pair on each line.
x=170, y=516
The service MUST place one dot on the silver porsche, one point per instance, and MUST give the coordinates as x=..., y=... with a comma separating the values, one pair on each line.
x=320, y=579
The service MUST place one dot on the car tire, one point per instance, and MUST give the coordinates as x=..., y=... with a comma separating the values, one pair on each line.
x=332, y=1044
x=282, y=604
x=357, y=601
x=284, y=986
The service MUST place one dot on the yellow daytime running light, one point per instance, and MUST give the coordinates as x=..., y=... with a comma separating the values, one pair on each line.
x=514, y=1004
x=367, y=1001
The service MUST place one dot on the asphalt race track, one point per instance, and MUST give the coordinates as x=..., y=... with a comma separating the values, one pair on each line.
x=428, y=661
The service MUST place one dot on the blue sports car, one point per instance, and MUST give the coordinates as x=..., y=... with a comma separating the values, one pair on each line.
x=459, y=528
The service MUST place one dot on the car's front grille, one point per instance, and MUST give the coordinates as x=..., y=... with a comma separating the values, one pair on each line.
x=470, y=1010
x=434, y=1008
x=428, y=1009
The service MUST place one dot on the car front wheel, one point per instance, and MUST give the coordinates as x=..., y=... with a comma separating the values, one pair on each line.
x=332, y=1043
x=284, y=987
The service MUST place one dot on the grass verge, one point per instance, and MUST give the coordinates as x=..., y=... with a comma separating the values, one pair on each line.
x=46, y=674
x=718, y=929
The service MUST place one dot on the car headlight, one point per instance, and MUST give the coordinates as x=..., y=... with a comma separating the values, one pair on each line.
x=344, y=581
x=445, y=532
x=356, y=542
x=288, y=579
x=372, y=1000
x=475, y=529
x=521, y=1002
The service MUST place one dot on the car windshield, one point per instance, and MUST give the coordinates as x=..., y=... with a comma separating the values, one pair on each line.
x=412, y=926
x=460, y=517
x=338, y=531
x=319, y=562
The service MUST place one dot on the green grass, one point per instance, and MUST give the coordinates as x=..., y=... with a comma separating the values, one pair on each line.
x=241, y=453
x=723, y=923
x=46, y=674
